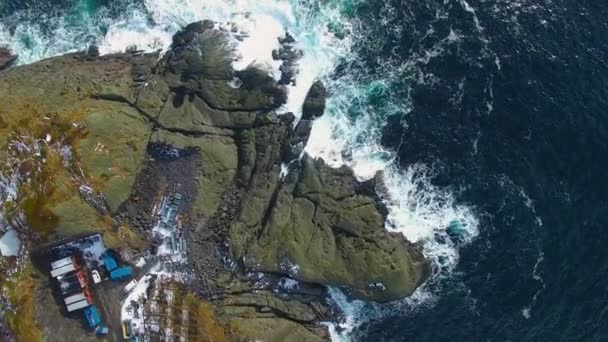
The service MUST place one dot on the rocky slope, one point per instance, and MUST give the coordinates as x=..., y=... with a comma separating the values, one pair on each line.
x=314, y=227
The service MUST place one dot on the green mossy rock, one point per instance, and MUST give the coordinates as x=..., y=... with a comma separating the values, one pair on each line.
x=274, y=330
x=201, y=52
x=75, y=217
x=193, y=114
x=151, y=96
x=320, y=229
x=114, y=149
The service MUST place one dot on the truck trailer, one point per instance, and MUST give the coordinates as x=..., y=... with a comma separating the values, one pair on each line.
x=78, y=305
x=74, y=298
x=63, y=270
x=61, y=262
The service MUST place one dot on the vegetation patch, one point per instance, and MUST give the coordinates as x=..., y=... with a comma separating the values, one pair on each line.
x=19, y=290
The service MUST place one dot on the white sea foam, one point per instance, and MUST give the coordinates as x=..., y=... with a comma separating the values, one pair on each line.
x=357, y=311
x=350, y=131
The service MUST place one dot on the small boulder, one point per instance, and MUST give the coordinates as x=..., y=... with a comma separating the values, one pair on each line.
x=7, y=59
x=93, y=51
x=288, y=39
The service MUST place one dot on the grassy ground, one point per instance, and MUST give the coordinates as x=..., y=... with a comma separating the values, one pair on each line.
x=20, y=291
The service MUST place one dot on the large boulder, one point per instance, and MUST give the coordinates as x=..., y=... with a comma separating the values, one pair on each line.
x=314, y=104
x=200, y=64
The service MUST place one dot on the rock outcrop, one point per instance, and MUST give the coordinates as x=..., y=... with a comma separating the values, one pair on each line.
x=314, y=104
x=317, y=226
x=321, y=228
x=7, y=59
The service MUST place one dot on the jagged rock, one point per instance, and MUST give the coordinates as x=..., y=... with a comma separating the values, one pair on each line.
x=289, y=55
x=200, y=52
x=298, y=139
x=286, y=54
x=288, y=73
x=7, y=59
x=93, y=51
x=314, y=104
x=200, y=63
x=288, y=39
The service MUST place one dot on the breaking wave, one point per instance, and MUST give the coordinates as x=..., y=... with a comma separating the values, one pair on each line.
x=349, y=133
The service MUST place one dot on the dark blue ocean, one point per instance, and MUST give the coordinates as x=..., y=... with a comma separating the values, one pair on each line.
x=504, y=101
x=517, y=117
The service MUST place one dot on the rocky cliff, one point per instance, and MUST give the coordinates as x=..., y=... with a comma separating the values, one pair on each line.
x=315, y=226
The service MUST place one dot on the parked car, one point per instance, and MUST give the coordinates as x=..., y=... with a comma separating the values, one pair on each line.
x=96, y=276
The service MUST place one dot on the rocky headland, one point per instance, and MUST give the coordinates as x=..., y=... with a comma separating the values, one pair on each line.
x=269, y=227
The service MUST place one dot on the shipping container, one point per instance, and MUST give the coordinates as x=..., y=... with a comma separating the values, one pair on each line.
x=74, y=298
x=78, y=305
x=62, y=270
x=61, y=262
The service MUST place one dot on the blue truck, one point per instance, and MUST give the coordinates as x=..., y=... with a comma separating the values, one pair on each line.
x=109, y=262
x=115, y=272
x=94, y=320
x=121, y=273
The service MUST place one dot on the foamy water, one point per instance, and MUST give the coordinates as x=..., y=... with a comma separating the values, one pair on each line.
x=417, y=209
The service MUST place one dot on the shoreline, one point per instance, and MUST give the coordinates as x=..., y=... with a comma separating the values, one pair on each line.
x=267, y=243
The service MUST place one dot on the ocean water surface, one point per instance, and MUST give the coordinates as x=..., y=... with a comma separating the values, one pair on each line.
x=489, y=119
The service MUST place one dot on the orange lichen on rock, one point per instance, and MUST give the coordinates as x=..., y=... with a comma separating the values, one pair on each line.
x=204, y=322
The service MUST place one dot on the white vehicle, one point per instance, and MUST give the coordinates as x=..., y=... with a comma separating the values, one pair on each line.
x=130, y=286
x=96, y=276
